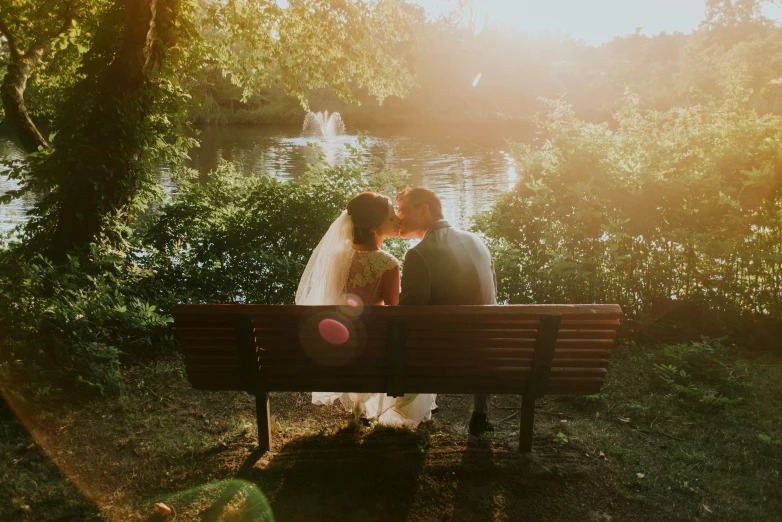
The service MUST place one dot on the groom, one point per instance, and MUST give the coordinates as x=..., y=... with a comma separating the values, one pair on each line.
x=448, y=267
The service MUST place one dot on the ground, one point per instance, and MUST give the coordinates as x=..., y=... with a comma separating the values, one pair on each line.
x=648, y=448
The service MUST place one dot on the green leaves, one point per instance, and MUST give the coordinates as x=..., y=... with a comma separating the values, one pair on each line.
x=670, y=205
x=308, y=44
x=246, y=238
x=71, y=324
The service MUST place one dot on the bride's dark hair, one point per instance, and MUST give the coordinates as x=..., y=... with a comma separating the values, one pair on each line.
x=368, y=210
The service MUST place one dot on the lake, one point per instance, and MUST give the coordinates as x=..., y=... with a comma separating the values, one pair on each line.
x=468, y=169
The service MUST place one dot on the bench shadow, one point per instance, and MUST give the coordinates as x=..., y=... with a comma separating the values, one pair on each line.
x=388, y=475
x=348, y=475
x=475, y=488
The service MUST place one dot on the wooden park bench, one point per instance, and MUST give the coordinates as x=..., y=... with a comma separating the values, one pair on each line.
x=527, y=350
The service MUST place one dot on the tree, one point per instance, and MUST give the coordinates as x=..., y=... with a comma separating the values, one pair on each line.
x=310, y=44
x=124, y=116
x=30, y=29
x=735, y=40
x=731, y=13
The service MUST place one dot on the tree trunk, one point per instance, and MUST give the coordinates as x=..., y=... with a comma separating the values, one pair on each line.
x=20, y=65
x=12, y=93
x=102, y=172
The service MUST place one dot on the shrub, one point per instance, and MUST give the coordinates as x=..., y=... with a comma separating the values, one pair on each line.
x=69, y=325
x=675, y=205
x=703, y=371
x=247, y=239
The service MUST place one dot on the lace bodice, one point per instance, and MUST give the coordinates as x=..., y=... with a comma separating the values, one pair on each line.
x=366, y=272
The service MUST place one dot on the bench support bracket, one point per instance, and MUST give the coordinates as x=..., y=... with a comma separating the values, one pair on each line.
x=541, y=368
x=396, y=356
x=245, y=341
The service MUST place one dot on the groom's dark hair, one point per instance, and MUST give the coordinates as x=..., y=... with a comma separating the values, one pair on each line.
x=417, y=196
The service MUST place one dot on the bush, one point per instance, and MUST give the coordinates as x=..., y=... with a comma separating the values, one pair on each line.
x=676, y=205
x=702, y=371
x=69, y=325
x=247, y=239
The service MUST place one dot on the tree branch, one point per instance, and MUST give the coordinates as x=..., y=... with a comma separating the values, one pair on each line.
x=13, y=42
x=43, y=45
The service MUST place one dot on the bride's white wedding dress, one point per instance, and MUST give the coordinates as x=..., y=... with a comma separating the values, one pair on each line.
x=360, y=273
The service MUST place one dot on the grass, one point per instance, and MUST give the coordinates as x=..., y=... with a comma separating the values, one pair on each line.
x=690, y=428
x=31, y=486
x=683, y=432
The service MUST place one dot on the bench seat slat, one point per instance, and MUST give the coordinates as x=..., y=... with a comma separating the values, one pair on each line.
x=467, y=344
x=291, y=351
x=486, y=333
x=572, y=333
x=474, y=344
x=206, y=342
x=462, y=362
x=325, y=361
x=205, y=331
x=586, y=334
x=209, y=350
x=483, y=326
x=419, y=357
x=500, y=372
x=520, y=362
x=294, y=354
x=325, y=371
x=275, y=362
x=205, y=360
x=347, y=383
x=560, y=353
x=530, y=309
x=204, y=323
x=579, y=363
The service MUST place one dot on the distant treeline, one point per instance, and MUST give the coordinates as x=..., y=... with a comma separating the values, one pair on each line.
x=517, y=69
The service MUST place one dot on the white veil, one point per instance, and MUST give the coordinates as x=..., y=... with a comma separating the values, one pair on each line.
x=324, y=279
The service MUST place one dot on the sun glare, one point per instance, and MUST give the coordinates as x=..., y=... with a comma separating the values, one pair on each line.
x=595, y=21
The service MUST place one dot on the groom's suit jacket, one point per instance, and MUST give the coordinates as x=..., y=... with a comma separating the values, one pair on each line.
x=448, y=267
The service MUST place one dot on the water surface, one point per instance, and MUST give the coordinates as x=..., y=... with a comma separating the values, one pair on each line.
x=467, y=169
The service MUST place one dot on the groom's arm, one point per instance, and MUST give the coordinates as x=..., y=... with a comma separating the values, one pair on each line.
x=416, y=280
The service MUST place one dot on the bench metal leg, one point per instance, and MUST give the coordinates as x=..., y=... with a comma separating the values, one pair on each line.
x=541, y=368
x=527, y=423
x=264, y=425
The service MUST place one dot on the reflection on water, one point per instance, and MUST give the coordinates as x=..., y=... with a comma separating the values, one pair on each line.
x=466, y=171
x=14, y=212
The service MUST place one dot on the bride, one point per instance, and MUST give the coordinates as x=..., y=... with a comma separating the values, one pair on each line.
x=349, y=261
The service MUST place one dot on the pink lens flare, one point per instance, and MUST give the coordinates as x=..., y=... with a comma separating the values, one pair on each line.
x=353, y=307
x=333, y=332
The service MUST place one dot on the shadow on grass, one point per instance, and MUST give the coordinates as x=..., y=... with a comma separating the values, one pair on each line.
x=353, y=474
x=350, y=474
x=474, y=486
x=387, y=474
x=31, y=486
